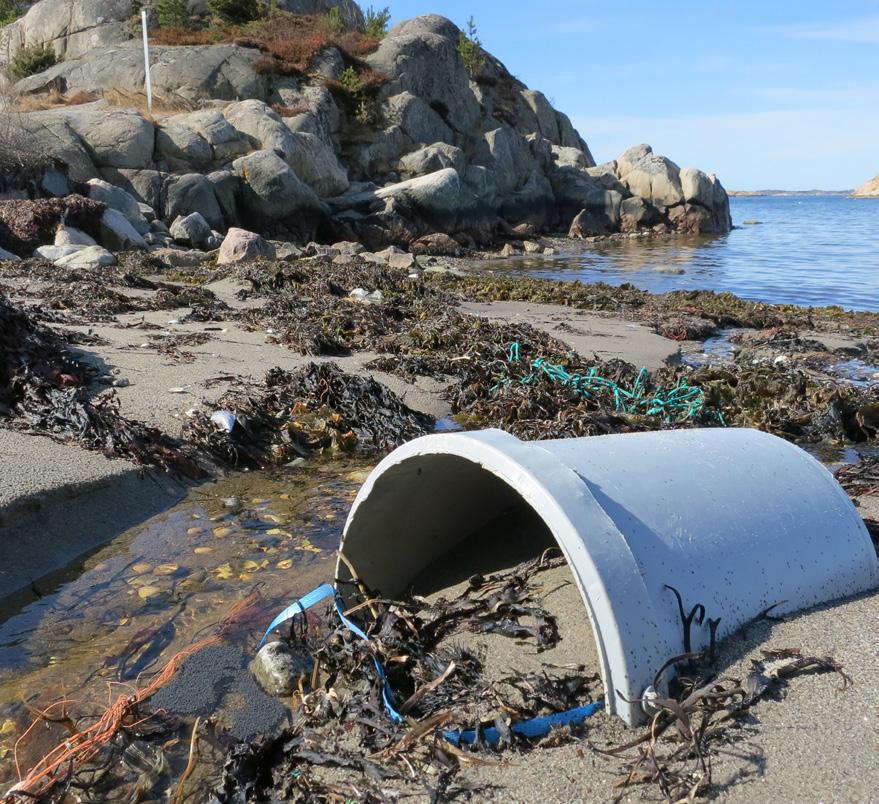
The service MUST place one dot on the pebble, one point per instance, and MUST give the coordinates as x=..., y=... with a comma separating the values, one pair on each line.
x=278, y=670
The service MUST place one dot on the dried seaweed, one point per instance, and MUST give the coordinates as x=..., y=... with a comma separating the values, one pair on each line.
x=701, y=715
x=342, y=743
x=315, y=408
x=861, y=478
x=309, y=307
x=43, y=388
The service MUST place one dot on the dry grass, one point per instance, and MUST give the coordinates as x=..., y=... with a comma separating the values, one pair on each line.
x=289, y=111
x=51, y=100
x=114, y=97
x=289, y=42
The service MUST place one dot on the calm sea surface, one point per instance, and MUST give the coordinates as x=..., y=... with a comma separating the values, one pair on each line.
x=808, y=250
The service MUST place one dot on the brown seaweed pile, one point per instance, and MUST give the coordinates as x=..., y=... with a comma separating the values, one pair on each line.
x=44, y=389
x=343, y=745
x=91, y=295
x=318, y=408
x=310, y=308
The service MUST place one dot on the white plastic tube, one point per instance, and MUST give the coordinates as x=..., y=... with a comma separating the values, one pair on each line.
x=146, y=60
x=734, y=519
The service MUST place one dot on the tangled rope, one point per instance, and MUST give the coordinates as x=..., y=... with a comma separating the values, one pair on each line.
x=83, y=746
x=683, y=401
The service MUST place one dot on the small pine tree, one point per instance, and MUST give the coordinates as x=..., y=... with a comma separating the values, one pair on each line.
x=32, y=60
x=377, y=22
x=333, y=21
x=235, y=12
x=470, y=49
x=173, y=13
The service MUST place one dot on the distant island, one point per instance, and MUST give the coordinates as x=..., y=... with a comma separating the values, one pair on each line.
x=748, y=193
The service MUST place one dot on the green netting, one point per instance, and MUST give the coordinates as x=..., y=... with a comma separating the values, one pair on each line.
x=683, y=401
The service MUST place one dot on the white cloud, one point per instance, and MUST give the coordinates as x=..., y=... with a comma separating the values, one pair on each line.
x=863, y=30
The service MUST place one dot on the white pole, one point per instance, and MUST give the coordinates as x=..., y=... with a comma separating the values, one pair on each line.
x=146, y=60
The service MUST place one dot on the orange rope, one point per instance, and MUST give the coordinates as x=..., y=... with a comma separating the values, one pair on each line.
x=88, y=743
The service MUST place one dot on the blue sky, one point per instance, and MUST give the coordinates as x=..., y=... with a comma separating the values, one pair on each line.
x=766, y=94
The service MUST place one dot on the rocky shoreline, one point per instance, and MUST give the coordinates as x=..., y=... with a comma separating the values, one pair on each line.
x=387, y=140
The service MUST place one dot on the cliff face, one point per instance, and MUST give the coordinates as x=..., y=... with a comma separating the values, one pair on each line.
x=869, y=189
x=380, y=141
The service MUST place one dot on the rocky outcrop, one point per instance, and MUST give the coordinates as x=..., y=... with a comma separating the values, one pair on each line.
x=438, y=151
x=188, y=73
x=72, y=28
x=869, y=189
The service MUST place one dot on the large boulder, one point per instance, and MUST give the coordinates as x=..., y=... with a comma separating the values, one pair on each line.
x=239, y=244
x=191, y=192
x=190, y=73
x=117, y=233
x=181, y=146
x=120, y=200
x=227, y=190
x=636, y=213
x=575, y=190
x=321, y=115
x=655, y=178
x=697, y=187
x=87, y=257
x=118, y=138
x=546, y=122
x=72, y=28
x=416, y=119
x=378, y=155
x=226, y=142
x=630, y=157
x=421, y=56
x=431, y=158
x=721, y=205
x=192, y=230
x=42, y=138
x=146, y=186
x=532, y=203
x=506, y=154
x=260, y=124
x=317, y=165
x=312, y=160
x=271, y=190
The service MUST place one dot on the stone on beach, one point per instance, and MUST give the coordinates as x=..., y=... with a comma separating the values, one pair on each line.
x=239, y=244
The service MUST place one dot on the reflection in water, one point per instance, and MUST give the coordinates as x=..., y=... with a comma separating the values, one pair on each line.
x=807, y=250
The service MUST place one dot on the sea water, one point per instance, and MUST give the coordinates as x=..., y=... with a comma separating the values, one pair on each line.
x=806, y=250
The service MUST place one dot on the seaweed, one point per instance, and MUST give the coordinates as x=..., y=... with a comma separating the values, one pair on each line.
x=318, y=408
x=44, y=389
x=343, y=745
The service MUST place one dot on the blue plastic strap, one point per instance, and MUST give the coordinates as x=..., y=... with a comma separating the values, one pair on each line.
x=387, y=692
x=532, y=729
x=314, y=597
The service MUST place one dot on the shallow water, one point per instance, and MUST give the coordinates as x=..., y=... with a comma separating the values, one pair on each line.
x=131, y=606
x=806, y=250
